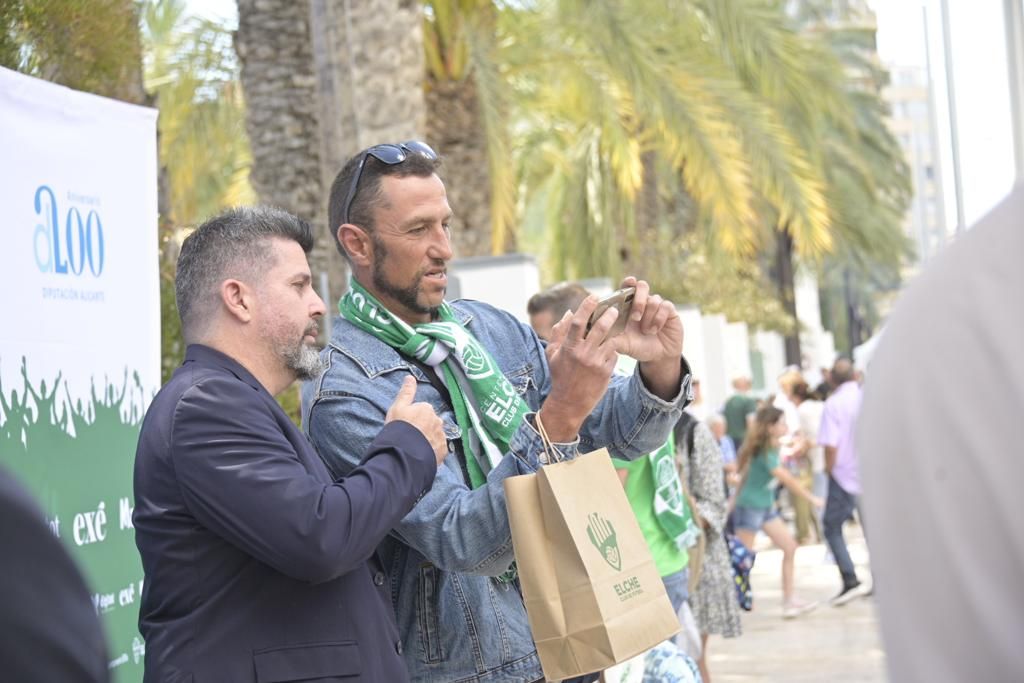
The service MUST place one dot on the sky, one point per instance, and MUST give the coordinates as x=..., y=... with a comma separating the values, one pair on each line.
x=978, y=46
x=980, y=83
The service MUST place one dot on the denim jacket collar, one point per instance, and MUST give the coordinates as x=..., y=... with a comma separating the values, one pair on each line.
x=365, y=350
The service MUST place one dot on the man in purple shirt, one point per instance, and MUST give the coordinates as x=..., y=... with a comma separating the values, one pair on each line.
x=836, y=435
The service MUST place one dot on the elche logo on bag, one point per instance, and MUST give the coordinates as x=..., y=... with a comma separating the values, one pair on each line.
x=602, y=535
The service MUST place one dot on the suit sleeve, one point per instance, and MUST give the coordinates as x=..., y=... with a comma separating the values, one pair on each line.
x=243, y=480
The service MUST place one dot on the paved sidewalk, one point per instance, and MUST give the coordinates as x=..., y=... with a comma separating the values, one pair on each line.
x=833, y=644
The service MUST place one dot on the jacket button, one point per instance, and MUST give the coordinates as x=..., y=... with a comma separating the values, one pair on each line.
x=378, y=578
x=398, y=647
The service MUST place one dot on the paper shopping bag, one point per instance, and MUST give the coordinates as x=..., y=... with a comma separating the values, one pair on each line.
x=593, y=595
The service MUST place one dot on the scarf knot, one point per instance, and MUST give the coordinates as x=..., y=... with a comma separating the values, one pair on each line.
x=487, y=407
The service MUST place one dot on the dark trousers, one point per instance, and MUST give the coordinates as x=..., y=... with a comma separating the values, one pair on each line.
x=838, y=508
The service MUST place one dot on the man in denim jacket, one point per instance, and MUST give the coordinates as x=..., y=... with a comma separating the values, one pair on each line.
x=449, y=562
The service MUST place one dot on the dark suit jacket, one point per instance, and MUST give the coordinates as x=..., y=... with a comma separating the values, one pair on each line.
x=258, y=566
x=49, y=630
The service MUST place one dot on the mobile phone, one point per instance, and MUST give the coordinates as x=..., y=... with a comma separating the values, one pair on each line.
x=621, y=299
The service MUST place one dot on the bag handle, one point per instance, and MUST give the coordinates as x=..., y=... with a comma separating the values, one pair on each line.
x=553, y=454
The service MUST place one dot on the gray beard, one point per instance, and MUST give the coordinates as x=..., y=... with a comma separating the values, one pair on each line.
x=304, y=361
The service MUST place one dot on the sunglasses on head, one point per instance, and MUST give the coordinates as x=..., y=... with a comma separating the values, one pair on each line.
x=386, y=154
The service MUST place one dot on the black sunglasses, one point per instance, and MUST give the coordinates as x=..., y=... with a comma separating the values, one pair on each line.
x=386, y=154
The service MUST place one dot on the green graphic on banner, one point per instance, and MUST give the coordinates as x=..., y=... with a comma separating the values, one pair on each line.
x=77, y=460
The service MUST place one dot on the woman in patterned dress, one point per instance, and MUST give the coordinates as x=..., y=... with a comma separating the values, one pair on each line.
x=713, y=602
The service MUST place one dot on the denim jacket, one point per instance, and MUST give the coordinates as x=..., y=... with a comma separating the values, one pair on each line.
x=457, y=622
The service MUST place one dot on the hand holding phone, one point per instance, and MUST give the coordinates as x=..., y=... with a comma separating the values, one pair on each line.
x=621, y=299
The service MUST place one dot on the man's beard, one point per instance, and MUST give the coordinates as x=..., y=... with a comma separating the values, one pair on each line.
x=301, y=358
x=407, y=296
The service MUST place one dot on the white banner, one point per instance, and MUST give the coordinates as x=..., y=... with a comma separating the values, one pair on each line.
x=80, y=337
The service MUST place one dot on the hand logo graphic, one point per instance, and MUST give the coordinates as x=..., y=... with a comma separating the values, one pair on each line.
x=602, y=535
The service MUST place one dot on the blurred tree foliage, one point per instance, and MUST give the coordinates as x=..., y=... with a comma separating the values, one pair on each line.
x=659, y=140
x=667, y=138
x=192, y=74
x=90, y=45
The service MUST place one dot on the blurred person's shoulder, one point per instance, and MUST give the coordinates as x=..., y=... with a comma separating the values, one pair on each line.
x=961, y=317
x=941, y=404
x=977, y=276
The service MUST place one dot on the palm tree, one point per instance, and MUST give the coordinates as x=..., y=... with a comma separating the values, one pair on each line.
x=869, y=190
x=323, y=80
x=467, y=107
x=282, y=113
x=369, y=62
x=700, y=86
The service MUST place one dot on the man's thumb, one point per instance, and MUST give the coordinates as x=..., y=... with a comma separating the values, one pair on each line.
x=407, y=392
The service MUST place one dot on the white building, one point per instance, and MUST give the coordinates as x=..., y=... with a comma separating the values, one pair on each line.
x=912, y=122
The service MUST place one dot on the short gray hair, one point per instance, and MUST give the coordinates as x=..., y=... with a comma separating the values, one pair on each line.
x=235, y=244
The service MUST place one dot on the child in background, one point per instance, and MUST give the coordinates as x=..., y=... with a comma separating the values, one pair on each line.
x=759, y=468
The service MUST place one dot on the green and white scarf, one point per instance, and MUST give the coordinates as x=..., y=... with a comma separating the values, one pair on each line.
x=670, y=505
x=487, y=407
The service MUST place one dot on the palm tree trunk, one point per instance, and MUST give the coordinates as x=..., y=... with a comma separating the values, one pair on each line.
x=787, y=291
x=455, y=128
x=369, y=86
x=641, y=252
x=322, y=81
x=282, y=116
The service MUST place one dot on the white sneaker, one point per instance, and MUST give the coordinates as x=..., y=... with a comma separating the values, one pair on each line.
x=796, y=607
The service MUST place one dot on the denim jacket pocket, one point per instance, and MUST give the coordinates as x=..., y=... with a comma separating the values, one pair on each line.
x=427, y=613
x=522, y=379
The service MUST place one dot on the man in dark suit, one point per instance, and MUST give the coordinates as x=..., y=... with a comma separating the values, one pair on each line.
x=259, y=566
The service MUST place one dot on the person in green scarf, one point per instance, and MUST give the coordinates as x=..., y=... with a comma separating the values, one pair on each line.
x=452, y=578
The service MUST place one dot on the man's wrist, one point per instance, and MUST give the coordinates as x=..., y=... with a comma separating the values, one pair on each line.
x=561, y=426
x=662, y=377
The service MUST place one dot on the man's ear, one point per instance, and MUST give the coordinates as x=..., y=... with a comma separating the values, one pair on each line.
x=357, y=243
x=238, y=299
